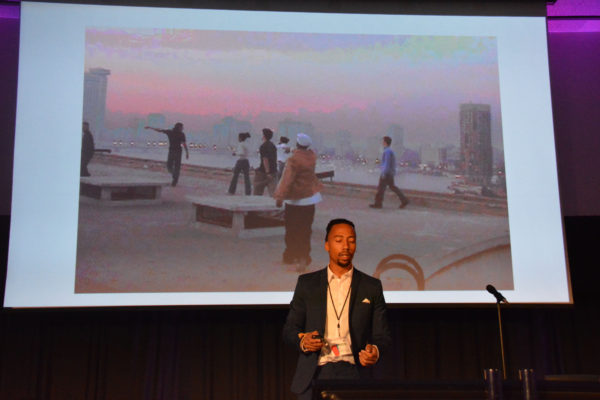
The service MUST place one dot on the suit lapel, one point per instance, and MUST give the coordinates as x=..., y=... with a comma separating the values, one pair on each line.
x=353, y=292
x=353, y=296
x=323, y=300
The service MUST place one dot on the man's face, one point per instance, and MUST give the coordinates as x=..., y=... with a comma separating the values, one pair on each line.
x=341, y=245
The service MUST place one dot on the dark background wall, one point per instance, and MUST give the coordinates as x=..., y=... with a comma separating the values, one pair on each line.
x=200, y=353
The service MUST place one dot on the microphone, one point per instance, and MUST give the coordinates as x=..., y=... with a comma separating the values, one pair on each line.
x=497, y=294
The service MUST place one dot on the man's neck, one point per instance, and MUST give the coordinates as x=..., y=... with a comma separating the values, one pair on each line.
x=338, y=270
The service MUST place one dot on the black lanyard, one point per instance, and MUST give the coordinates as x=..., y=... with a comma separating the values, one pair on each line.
x=333, y=304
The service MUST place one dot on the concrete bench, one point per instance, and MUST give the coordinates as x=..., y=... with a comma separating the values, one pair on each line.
x=239, y=216
x=325, y=174
x=122, y=190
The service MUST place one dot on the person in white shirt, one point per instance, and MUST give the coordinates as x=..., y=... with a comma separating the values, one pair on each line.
x=242, y=165
x=283, y=152
x=337, y=319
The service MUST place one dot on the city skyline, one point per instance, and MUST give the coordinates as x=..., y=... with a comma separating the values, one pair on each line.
x=356, y=83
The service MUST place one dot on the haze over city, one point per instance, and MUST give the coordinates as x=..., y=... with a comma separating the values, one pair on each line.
x=356, y=83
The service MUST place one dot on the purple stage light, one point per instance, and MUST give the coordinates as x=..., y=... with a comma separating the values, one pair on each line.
x=10, y=11
x=574, y=16
x=574, y=8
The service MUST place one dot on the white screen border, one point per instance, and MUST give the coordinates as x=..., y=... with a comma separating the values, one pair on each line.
x=43, y=234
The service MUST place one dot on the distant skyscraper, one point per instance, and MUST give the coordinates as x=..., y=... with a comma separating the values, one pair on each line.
x=291, y=128
x=430, y=155
x=396, y=132
x=95, y=82
x=157, y=121
x=226, y=132
x=343, y=143
x=154, y=120
x=476, y=142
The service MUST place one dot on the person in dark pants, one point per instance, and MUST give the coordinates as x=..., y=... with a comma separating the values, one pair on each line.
x=265, y=176
x=298, y=231
x=388, y=170
x=300, y=188
x=337, y=320
x=87, y=149
x=176, y=140
x=283, y=153
x=242, y=165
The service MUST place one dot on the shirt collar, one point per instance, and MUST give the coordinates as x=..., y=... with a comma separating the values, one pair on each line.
x=345, y=275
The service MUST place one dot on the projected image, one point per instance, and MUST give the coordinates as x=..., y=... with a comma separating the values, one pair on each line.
x=213, y=160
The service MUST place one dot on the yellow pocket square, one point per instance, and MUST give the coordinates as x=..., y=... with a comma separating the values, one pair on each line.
x=365, y=300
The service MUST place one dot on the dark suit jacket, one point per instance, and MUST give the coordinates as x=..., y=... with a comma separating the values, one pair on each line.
x=308, y=309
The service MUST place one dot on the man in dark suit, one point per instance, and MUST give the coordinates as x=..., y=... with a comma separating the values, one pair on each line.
x=337, y=318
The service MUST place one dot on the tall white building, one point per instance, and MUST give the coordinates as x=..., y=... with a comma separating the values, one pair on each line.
x=95, y=83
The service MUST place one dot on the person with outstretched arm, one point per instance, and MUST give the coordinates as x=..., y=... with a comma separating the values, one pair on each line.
x=176, y=140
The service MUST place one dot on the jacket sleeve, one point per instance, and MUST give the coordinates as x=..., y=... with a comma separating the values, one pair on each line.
x=289, y=173
x=381, y=336
x=296, y=318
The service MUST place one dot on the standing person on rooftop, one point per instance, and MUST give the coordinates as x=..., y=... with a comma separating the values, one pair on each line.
x=300, y=189
x=242, y=165
x=265, y=176
x=176, y=140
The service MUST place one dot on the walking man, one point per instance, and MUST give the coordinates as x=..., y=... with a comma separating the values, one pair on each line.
x=388, y=170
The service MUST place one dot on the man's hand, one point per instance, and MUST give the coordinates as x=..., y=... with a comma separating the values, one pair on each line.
x=309, y=343
x=369, y=356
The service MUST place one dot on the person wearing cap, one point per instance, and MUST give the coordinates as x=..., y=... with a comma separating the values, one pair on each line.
x=300, y=189
x=283, y=153
x=265, y=176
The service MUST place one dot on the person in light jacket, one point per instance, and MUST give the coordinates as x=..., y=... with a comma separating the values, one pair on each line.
x=300, y=189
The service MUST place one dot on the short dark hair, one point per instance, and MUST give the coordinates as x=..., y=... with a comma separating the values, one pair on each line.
x=178, y=125
x=243, y=136
x=338, y=221
x=284, y=139
x=387, y=140
x=267, y=133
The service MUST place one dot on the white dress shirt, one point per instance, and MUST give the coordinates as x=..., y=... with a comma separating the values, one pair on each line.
x=340, y=292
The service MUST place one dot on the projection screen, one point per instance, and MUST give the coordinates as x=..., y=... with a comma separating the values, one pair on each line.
x=465, y=101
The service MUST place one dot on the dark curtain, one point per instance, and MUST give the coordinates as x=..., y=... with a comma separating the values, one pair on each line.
x=200, y=353
x=219, y=353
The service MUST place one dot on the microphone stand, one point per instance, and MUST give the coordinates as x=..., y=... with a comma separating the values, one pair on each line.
x=501, y=339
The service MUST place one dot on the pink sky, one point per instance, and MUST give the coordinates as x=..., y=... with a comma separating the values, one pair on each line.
x=415, y=81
